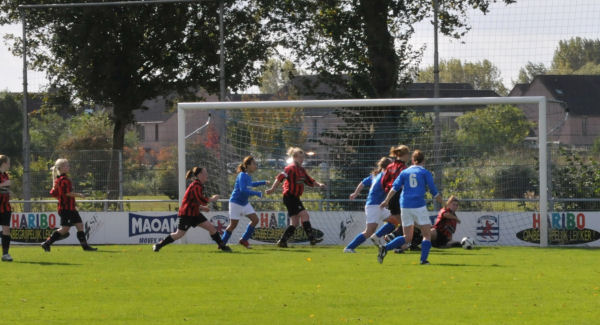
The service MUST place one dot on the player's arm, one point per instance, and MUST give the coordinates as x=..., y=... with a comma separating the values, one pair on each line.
x=357, y=190
x=450, y=216
x=396, y=186
x=311, y=182
x=278, y=180
x=245, y=183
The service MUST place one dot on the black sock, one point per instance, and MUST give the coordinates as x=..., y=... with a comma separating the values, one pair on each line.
x=307, y=229
x=289, y=232
x=217, y=239
x=54, y=237
x=165, y=241
x=82, y=239
x=5, y=244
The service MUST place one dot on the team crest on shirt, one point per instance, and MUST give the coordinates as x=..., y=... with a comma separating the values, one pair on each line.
x=488, y=228
x=220, y=222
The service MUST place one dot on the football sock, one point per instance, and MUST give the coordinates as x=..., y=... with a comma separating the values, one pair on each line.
x=81, y=238
x=217, y=239
x=385, y=229
x=425, y=247
x=5, y=243
x=308, y=229
x=288, y=233
x=165, y=241
x=397, y=242
x=226, y=236
x=248, y=233
x=54, y=237
x=359, y=239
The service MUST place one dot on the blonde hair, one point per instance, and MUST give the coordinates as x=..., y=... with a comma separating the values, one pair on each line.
x=451, y=199
x=58, y=165
x=399, y=151
x=293, y=151
x=3, y=159
x=381, y=165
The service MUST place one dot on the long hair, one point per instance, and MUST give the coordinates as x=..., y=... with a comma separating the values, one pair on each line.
x=3, y=159
x=293, y=151
x=399, y=151
x=193, y=172
x=381, y=165
x=56, y=169
x=451, y=199
x=245, y=163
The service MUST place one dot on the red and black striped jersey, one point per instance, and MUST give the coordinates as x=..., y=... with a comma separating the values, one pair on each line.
x=391, y=173
x=295, y=177
x=443, y=225
x=192, y=199
x=4, y=194
x=62, y=187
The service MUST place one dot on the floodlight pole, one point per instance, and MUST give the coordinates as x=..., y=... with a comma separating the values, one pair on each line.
x=436, y=109
x=26, y=153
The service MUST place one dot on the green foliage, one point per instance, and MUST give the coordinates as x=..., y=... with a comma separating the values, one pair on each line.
x=481, y=75
x=514, y=182
x=576, y=55
x=11, y=131
x=275, y=75
x=577, y=176
x=47, y=129
x=87, y=131
x=493, y=127
x=527, y=73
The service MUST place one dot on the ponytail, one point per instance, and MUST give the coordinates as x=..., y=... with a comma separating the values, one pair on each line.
x=193, y=172
x=381, y=165
x=245, y=163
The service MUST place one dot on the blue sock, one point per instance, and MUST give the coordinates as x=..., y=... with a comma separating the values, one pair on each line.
x=385, y=229
x=425, y=247
x=226, y=236
x=397, y=242
x=359, y=239
x=248, y=233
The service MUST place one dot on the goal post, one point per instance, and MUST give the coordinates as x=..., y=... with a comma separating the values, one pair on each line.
x=540, y=101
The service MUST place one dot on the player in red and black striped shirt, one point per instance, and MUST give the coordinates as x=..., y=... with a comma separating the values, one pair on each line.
x=62, y=189
x=401, y=155
x=294, y=176
x=445, y=225
x=5, y=209
x=189, y=211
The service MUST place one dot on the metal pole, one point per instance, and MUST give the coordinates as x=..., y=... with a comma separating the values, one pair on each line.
x=436, y=109
x=221, y=54
x=26, y=172
x=543, y=173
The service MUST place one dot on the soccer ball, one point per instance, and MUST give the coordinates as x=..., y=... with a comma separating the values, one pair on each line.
x=467, y=243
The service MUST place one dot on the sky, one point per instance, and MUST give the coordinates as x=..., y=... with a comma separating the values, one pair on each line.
x=509, y=36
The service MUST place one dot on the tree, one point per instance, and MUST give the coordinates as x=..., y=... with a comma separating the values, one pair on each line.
x=121, y=56
x=576, y=56
x=481, y=75
x=527, y=73
x=493, y=127
x=275, y=75
x=12, y=124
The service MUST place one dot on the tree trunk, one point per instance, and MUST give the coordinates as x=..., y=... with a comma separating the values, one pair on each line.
x=380, y=48
x=113, y=184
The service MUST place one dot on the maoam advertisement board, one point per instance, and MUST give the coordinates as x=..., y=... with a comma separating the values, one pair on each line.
x=334, y=228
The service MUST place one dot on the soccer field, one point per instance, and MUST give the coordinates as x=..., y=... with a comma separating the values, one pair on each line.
x=196, y=284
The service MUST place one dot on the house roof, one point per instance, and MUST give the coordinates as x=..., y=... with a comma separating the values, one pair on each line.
x=580, y=92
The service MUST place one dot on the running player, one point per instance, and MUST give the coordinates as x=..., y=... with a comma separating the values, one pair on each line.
x=373, y=211
x=62, y=189
x=238, y=202
x=5, y=209
x=401, y=154
x=189, y=212
x=445, y=225
x=294, y=176
x=414, y=182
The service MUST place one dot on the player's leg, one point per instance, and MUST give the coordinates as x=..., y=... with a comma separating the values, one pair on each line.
x=182, y=227
x=249, y=229
x=235, y=212
x=61, y=233
x=214, y=234
x=294, y=206
x=5, y=239
x=81, y=237
x=304, y=217
x=425, y=226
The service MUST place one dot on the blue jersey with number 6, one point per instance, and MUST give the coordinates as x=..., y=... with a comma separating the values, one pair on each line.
x=414, y=182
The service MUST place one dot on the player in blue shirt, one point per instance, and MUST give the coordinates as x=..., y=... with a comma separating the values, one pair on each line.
x=373, y=211
x=238, y=203
x=414, y=182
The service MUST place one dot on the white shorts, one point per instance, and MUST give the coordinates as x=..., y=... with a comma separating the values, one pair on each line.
x=237, y=211
x=375, y=213
x=410, y=216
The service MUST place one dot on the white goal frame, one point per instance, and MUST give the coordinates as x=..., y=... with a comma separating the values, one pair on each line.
x=539, y=100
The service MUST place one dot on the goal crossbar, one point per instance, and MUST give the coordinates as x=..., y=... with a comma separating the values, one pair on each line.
x=539, y=100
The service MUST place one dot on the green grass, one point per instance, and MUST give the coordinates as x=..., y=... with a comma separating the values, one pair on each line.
x=196, y=284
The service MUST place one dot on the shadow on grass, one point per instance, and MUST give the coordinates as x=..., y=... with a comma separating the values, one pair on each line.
x=464, y=264
x=47, y=263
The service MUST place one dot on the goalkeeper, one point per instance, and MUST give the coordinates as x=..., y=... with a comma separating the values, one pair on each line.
x=445, y=225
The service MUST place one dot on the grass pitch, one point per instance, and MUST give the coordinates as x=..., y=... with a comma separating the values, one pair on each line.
x=196, y=284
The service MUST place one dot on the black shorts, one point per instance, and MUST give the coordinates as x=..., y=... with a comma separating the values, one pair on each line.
x=69, y=217
x=5, y=219
x=440, y=241
x=293, y=205
x=187, y=222
x=394, y=204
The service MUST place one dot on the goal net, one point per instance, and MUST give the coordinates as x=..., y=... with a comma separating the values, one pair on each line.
x=482, y=150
